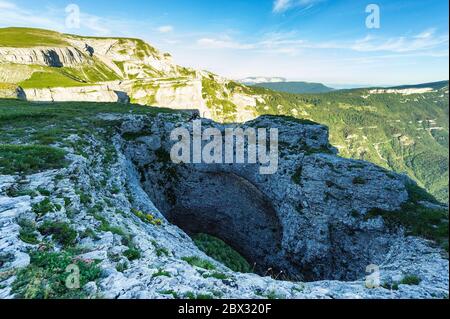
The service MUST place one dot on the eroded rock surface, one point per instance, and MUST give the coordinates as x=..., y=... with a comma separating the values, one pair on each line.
x=307, y=220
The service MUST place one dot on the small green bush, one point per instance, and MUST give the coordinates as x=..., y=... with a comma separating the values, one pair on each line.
x=296, y=177
x=198, y=262
x=132, y=254
x=411, y=280
x=27, y=232
x=161, y=273
x=220, y=251
x=216, y=275
x=44, y=207
x=359, y=181
x=45, y=277
x=61, y=232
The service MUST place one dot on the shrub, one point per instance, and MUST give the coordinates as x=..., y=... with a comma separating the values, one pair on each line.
x=220, y=251
x=43, y=191
x=198, y=262
x=44, y=207
x=132, y=254
x=359, y=181
x=411, y=280
x=45, y=277
x=61, y=232
x=161, y=273
x=27, y=232
x=296, y=177
x=418, y=221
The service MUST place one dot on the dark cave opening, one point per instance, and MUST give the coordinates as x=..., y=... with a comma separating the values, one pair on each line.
x=232, y=209
x=229, y=207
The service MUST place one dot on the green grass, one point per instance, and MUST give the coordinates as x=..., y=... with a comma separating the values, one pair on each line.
x=418, y=220
x=7, y=86
x=220, y=251
x=41, y=80
x=296, y=177
x=29, y=128
x=198, y=262
x=29, y=37
x=45, y=277
x=29, y=159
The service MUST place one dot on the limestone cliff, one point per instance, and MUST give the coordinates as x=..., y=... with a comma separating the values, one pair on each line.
x=149, y=76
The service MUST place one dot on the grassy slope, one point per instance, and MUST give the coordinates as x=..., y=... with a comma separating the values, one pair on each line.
x=49, y=76
x=44, y=77
x=33, y=132
x=28, y=37
x=369, y=128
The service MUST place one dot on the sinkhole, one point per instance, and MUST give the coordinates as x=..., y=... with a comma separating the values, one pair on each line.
x=228, y=207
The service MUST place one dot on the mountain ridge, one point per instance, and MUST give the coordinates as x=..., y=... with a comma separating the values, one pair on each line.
x=295, y=87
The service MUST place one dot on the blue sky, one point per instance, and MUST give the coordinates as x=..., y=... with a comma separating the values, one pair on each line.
x=310, y=40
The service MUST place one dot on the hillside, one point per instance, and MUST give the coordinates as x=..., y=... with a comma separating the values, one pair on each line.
x=405, y=132
x=45, y=63
x=404, y=129
x=295, y=87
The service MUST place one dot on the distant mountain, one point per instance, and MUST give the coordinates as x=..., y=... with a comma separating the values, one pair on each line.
x=261, y=79
x=432, y=85
x=296, y=87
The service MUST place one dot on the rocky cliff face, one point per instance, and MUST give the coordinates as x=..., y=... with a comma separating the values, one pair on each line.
x=150, y=76
x=44, y=56
x=311, y=224
x=309, y=227
x=96, y=93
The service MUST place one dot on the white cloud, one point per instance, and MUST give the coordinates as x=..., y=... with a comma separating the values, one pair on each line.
x=284, y=5
x=7, y=5
x=165, y=29
x=426, y=40
x=54, y=19
x=281, y=5
x=12, y=15
x=226, y=43
x=426, y=43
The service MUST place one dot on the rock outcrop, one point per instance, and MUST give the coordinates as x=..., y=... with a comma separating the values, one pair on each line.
x=148, y=76
x=308, y=222
x=44, y=56
x=96, y=93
